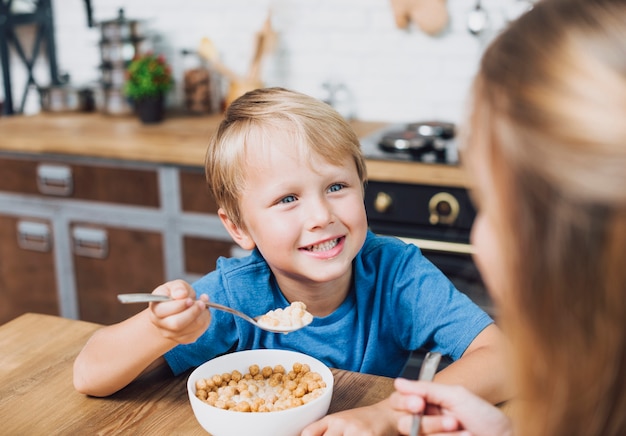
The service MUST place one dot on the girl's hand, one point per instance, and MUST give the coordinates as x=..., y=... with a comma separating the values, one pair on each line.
x=184, y=319
x=450, y=410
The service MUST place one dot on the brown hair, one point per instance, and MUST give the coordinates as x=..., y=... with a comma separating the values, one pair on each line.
x=252, y=120
x=549, y=115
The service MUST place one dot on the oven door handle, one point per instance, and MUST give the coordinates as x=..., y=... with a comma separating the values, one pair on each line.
x=440, y=246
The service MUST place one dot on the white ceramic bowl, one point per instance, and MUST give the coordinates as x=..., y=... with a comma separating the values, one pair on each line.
x=289, y=422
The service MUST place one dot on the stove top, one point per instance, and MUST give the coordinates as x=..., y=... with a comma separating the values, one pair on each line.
x=403, y=142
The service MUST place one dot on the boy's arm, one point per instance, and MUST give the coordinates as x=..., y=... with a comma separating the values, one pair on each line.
x=482, y=368
x=117, y=354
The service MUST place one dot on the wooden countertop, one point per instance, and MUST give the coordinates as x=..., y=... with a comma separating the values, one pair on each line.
x=179, y=140
x=37, y=395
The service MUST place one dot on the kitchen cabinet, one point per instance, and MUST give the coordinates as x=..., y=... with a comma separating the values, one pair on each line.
x=75, y=232
x=200, y=253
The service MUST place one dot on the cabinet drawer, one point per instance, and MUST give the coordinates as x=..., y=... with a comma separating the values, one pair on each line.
x=27, y=273
x=201, y=254
x=109, y=261
x=195, y=195
x=132, y=186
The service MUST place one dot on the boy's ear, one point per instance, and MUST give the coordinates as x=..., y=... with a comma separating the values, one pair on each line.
x=239, y=235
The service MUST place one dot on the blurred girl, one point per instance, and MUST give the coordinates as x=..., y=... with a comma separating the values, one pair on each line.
x=546, y=146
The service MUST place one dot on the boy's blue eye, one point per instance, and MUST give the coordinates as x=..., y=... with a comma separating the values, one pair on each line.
x=336, y=187
x=288, y=199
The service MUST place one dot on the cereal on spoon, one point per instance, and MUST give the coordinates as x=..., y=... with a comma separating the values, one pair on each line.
x=293, y=316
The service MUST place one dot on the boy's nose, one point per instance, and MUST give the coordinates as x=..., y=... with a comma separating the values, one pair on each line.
x=319, y=214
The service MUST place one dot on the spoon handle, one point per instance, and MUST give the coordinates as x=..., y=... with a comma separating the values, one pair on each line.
x=141, y=298
x=148, y=298
x=427, y=372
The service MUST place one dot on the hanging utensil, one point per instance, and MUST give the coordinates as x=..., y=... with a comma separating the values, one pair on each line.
x=477, y=19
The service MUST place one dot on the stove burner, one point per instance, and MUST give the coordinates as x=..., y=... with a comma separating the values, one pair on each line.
x=429, y=142
x=412, y=142
x=433, y=129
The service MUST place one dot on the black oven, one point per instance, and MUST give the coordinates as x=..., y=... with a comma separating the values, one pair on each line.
x=435, y=217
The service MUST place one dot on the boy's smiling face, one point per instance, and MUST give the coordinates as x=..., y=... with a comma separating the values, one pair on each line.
x=305, y=215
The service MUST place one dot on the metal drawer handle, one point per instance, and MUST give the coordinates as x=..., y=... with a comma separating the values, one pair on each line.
x=55, y=180
x=90, y=242
x=35, y=236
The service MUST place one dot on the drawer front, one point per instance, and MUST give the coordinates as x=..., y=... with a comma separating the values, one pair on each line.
x=19, y=176
x=27, y=274
x=195, y=195
x=130, y=186
x=109, y=261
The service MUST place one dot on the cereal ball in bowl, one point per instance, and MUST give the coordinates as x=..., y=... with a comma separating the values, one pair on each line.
x=260, y=392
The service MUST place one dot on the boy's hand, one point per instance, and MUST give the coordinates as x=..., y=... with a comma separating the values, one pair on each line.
x=376, y=420
x=184, y=319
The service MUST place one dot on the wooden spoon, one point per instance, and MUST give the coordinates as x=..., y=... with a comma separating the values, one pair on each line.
x=208, y=51
x=265, y=43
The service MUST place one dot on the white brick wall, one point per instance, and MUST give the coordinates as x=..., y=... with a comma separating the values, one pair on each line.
x=393, y=75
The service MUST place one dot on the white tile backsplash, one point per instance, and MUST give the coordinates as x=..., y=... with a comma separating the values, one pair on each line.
x=392, y=74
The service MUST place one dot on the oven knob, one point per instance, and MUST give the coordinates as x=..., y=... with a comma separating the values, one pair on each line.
x=444, y=208
x=383, y=202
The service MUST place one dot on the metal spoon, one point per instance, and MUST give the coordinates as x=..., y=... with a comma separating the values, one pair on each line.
x=427, y=372
x=147, y=298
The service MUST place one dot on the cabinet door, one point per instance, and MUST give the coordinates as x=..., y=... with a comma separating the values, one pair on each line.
x=201, y=254
x=110, y=261
x=194, y=192
x=27, y=275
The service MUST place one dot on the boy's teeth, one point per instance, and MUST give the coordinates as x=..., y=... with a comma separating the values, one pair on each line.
x=324, y=246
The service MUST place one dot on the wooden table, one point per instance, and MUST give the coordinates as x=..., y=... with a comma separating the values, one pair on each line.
x=37, y=396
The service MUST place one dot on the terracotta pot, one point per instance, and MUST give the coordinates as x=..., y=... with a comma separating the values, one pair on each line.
x=150, y=109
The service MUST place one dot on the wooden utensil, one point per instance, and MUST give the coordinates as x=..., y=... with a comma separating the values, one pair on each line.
x=266, y=40
x=207, y=51
x=431, y=16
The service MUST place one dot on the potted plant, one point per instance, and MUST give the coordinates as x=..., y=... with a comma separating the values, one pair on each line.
x=149, y=77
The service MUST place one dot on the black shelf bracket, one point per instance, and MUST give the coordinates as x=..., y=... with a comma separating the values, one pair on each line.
x=41, y=17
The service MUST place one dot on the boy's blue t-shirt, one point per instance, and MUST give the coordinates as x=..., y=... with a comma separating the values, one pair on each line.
x=399, y=302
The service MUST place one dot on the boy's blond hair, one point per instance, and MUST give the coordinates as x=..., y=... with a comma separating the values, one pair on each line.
x=314, y=127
